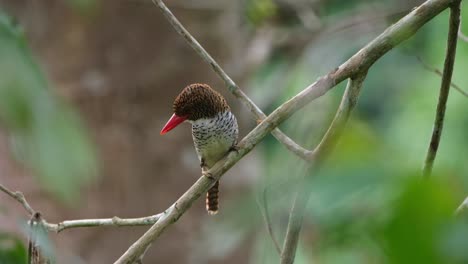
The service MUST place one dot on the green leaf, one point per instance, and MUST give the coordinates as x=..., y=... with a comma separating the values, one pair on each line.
x=421, y=216
x=12, y=250
x=47, y=135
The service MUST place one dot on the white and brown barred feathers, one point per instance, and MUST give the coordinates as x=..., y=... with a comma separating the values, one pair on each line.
x=214, y=129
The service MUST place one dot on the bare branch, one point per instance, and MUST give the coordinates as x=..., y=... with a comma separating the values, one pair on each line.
x=355, y=66
x=438, y=72
x=114, y=221
x=68, y=224
x=231, y=85
x=263, y=206
x=18, y=196
x=454, y=24
x=293, y=230
x=327, y=143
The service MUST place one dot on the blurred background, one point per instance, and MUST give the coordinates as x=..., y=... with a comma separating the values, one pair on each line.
x=86, y=86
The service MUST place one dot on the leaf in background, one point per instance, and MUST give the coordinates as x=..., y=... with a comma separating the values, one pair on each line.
x=12, y=250
x=258, y=11
x=419, y=221
x=47, y=135
x=84, y=7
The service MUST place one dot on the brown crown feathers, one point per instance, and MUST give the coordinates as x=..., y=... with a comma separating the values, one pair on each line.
x=199, y=101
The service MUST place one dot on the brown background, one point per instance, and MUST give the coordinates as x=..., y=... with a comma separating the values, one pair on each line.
x=121, y=67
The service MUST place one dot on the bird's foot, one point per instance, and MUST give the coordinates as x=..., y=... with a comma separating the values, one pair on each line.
x=234, y=148
x=205, y=173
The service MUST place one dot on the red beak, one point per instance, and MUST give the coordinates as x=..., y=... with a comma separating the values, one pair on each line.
x=173, y=122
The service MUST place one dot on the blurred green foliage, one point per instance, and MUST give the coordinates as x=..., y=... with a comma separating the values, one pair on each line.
x=421, y=214
x=259, y=11
x=46, y=134
x=12, y=249
x=84, y=7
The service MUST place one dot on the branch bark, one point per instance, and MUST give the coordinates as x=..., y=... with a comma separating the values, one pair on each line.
x=18, y=196
x=355, y=66
x=114, y=221
x=454, y=25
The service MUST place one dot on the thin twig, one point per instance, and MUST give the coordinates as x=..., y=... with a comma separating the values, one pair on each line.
x=68, y=224
x=460, y=33
x=463, y=206
x=462, y=36
x=327, y=143
x=438, y=72
x=454, y=24
x=358, y=63
x=263, y=205
x=230, y=84
x=18, y=196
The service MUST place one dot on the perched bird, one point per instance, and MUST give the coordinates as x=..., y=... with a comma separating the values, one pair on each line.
x=214, y=129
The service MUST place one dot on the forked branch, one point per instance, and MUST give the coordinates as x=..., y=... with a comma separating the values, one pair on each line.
x=352, y=68
x=326, y=145
x=230, y=84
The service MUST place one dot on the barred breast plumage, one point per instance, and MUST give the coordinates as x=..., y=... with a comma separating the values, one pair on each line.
x=214, y=128
x=213, y=137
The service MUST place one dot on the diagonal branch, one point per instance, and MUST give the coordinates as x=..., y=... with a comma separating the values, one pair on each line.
x=231, y=85
x=18, y=196
x=327, y=143
x=354, y=67
x=454, y=24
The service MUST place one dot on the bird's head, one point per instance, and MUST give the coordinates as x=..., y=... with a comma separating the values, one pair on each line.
x=196, y=101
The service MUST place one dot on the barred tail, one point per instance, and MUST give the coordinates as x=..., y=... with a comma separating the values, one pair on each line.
x=212, y=199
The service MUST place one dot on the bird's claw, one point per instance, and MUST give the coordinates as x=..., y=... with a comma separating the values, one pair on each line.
x=234, y=148
x=205, y=173
x=208, y=175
